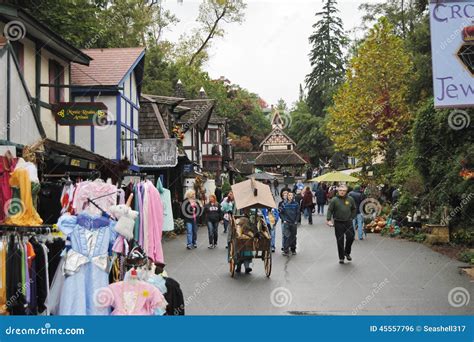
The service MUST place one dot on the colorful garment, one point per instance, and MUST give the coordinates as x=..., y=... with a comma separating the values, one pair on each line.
x=168, y=220
x=3, y=277
x=158, y=281
x=27, y=215
x=5, y=189
x=153, y=222
x=86, y=265
x=97, y=188
x=131, y=298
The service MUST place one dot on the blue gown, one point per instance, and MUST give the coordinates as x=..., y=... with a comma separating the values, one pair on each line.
x=86, y=264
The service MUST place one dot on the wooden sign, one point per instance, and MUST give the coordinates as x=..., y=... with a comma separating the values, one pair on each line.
x=80, y=113
x=157, y=153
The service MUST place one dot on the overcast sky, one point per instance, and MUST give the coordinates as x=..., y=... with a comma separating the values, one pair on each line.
x=268, y=53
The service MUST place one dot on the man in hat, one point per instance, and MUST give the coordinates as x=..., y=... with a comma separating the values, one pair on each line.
x=342, y=209
x=358, y=221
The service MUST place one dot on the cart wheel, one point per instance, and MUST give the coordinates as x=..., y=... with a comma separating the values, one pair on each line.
x=267, y=262
x=231, y=259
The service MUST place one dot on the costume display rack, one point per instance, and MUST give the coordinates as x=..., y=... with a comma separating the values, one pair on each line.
x=90, y=175
x=43, y=229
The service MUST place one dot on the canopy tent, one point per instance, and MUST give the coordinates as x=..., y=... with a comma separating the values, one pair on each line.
x=252, y=193
x=335, y=176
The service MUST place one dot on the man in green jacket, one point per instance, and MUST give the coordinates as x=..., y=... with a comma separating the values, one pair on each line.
x=342, y=209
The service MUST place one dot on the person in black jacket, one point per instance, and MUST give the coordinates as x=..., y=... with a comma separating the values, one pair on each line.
x=321, y=198
x=289, y=213
x=218, y=193
x=213, y=216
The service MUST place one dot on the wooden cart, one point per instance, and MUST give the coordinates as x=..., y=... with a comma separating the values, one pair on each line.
x=248, y=195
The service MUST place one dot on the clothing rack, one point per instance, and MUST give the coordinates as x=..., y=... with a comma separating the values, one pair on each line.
x=44, y=229
x=89, y=175
x=134, y=174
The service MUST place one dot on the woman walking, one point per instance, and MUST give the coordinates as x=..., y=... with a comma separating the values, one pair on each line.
x=307, y=204
x=192, y=211
x=228, y=208
x=213, y=216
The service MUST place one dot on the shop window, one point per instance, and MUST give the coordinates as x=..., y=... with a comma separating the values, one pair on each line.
x=213, y=136
x=56, y=80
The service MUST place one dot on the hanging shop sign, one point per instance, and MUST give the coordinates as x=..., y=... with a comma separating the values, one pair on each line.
x=80, y=113
x=452, y=46
x=157, y=153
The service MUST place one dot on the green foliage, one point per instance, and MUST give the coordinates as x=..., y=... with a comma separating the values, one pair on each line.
x=441, y=152
x=307, y=131
x=239, y=178
x=467, y=256
x=464, y=237
x=326, y=57
x=370, y=113
x=211, y=15
x=226, y=187
x=419, y=237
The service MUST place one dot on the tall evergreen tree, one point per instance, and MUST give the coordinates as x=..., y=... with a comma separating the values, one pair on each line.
x=326, y=57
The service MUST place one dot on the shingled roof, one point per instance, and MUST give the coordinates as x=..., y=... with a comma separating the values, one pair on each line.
x=279, y=158
x=199, y=113
x=244, y=162
x=107, y=68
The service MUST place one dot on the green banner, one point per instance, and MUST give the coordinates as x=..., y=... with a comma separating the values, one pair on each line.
x=80, y=113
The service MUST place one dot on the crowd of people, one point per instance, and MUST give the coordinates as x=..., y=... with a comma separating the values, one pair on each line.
x=294, y=203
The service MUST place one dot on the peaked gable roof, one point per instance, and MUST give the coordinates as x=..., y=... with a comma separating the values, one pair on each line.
x=274, y=132
x=108, y=66
x=276, y=119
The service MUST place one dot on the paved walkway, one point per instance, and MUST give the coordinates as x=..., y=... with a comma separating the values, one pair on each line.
x=386, y=277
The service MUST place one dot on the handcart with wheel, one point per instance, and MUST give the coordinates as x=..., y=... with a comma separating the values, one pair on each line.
x=249, y=235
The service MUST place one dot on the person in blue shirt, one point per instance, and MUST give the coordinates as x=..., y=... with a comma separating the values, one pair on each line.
x=289, y=215
x=271, y=227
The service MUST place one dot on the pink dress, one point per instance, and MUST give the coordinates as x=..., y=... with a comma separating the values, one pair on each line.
x=154, y=223
x=131, y=298
x=93, y=189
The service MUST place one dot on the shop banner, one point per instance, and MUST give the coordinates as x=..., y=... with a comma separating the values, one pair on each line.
x=452, y=46
x=157, y=153
x=80, y=113
x=237, y=328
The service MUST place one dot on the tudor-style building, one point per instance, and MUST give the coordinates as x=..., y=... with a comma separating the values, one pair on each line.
x=114, y=77
x=278, y=150
x=35, y=66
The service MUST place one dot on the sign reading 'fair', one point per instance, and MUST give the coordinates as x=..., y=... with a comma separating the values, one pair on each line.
x=157, y=153
x=452, y=45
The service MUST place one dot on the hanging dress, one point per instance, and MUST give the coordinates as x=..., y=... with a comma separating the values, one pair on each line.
x=86, y=264
x=168, y=220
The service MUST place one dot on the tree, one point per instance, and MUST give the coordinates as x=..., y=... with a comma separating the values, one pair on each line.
x=326, y=57
x=281, y=105
x=103, y=23
x=308, y=133
x=241, y=144
x=211, y=14
x=410, y=21
x=370, y=114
